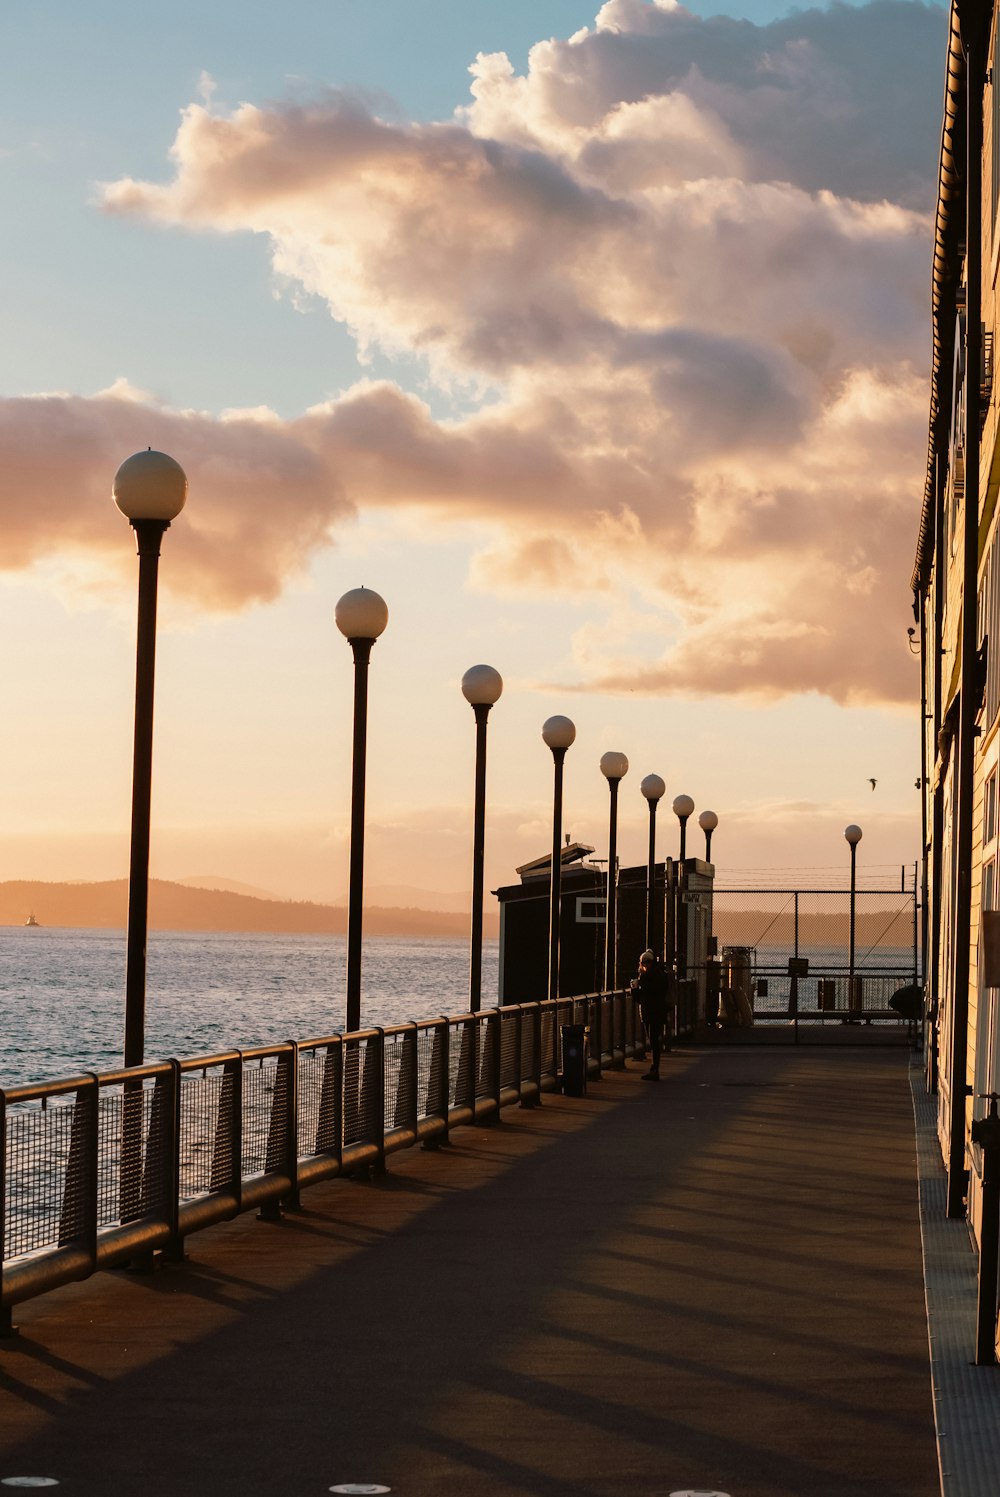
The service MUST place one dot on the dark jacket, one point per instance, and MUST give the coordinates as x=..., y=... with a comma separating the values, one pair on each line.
x=654, y=991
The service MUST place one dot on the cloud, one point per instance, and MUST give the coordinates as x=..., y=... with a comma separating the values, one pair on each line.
x=263, y=499
x=677, y=272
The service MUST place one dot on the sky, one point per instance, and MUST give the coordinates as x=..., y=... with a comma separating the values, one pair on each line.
x=596, y=339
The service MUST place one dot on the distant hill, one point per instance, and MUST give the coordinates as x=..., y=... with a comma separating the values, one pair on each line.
x=228, y=885
x=103, y=906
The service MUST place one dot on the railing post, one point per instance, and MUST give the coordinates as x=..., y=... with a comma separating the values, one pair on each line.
x=330, y=1118
x=380, y=1098
x=439, y=1105
x=229, y=1132
x=496, y=1059
x=174, y=1250
x=156, y=1160
x=596, y=1026
x=446, y=1077
x=406, y=1109
x=78, y=1214
x=282, y=1132
x=519, y=1051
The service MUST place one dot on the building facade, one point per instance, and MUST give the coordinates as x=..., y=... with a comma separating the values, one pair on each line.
x=956, y=588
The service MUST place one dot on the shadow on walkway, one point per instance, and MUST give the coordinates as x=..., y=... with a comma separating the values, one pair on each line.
x=714, y=1283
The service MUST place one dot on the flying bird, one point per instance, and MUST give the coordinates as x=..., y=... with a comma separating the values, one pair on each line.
x=873, y=783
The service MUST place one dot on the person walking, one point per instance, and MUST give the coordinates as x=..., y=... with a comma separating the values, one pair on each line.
x=652, y=990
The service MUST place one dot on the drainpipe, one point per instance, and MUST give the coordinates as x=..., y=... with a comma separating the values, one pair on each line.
x=920, y=609
x=937, y=807
x=974, y=41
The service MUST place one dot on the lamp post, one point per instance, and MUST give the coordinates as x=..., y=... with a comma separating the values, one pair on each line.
x=683, y=807
x=481, y=687
x=853, y=835
x=614, y=768
x=150, y=489
x=558, y=733
x=361, y=616
x=708, y=821
x=653, y=789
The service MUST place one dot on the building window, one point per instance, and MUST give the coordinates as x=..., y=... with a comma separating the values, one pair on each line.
x=990, y=812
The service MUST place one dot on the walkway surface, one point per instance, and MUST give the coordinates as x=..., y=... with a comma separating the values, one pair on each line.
x=714, y=1283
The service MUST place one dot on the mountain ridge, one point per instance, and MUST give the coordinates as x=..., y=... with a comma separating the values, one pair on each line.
x=173, y=906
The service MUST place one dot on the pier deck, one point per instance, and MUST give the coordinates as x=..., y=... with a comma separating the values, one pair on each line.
x=712, y=1283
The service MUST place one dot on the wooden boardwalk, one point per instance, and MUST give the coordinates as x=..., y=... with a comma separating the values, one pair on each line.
x=712, y=1283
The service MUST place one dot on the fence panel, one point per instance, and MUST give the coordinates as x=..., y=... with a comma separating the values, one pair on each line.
x=112, y=1159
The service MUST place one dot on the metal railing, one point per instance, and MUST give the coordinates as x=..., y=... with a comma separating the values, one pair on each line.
x=100, y=1169
x=827, y=996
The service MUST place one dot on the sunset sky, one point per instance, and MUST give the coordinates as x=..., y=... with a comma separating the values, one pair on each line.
x=595, y=340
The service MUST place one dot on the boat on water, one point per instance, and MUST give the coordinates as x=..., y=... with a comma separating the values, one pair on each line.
x=31, y=919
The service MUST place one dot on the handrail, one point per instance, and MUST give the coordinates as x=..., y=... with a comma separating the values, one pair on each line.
x=98, y=1168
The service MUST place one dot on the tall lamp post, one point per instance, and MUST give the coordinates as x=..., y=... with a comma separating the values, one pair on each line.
x=481, y=687
x=614, y=768
x=683, y=807
x=708, y=821
x=559, y=733
x=853, y=834
x=361, y=616
x=653, y=789
x=150, y=489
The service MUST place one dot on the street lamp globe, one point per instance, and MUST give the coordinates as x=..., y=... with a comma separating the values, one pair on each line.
x=683, y=806
x=708, y=820
x=614, y=766
x=652, y=787
x=853, y=834
x=558, y=732
x=150, y=486
x=361, y=614
x=482, y=686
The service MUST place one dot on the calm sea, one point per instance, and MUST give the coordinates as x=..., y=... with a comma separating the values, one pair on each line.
x=62, y=992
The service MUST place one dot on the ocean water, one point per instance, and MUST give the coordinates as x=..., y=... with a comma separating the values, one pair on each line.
x=62, y=992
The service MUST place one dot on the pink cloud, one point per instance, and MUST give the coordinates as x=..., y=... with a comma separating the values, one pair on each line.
x=690, y=293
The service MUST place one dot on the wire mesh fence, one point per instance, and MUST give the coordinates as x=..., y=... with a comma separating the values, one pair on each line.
x=819, y=953
x=105, y=1166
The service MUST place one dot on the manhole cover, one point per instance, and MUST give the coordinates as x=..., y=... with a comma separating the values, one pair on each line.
x=360, y=1486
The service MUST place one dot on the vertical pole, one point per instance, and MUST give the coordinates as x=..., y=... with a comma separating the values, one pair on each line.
x=987, y=1134
x=796, y=898
x=651, y=879
x=932, y=939
x=482, y=711
x=148, y=534
x=559, y=756
x=850, y=967
x=362, y=649
x=611, y=910
x=708, y=846
x=682, y=908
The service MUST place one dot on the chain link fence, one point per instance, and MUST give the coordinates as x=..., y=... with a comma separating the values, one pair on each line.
x=816, y=954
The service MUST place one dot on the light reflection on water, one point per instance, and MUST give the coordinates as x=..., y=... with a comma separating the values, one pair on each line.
x=62, y=992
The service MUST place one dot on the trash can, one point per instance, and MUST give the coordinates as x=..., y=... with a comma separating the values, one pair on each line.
x=575, y=1055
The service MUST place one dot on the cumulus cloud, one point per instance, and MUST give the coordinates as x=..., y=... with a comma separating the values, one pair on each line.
x=264, y=498
x=679, y=269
